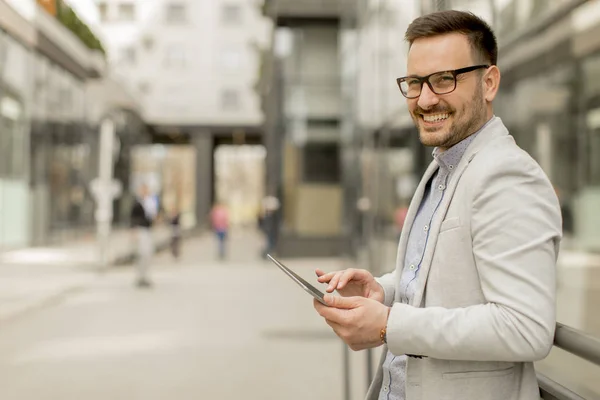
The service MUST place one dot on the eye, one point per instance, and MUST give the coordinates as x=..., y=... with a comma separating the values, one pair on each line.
x=443, y=77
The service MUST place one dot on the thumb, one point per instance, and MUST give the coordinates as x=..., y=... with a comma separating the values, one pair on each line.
x=342, y=302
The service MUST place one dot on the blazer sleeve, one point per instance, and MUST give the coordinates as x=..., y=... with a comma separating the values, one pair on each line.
x=516, y=230
x=388, y=283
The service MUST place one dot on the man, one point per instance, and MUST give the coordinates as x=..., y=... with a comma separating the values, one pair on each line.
x=471, y=303
x=143, y=213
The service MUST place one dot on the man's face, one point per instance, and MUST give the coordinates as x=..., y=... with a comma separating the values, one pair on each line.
x=444, y=120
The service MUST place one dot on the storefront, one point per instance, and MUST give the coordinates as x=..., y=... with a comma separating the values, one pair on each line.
x=63, y=155
x=15, y=62
x=550, y=101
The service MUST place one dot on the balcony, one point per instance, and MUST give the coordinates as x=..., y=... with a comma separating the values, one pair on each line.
x=285, y=10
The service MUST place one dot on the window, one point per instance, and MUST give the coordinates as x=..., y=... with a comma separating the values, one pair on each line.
x=231, y=14
x=321, y=163
x=176, y=13
x=103, y=11
x=11, y=137
x=230, y=59
x=230, y=100
x=148, y=42
x=126, y=12
x=175, y=57
x=127, y=56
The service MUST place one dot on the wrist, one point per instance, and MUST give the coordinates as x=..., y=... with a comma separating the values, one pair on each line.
x=383, y=332
x=378, y=293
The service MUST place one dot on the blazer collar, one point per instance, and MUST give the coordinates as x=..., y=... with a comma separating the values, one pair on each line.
x=495, y=128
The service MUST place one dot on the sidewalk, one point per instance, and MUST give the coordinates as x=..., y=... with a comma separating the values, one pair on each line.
x=83, y=252
x=33, y=277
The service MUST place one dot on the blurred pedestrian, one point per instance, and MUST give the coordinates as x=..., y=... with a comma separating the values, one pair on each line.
x=269, y=224
x=471, y=303
x=143, y=214
x=175, y=222
x=220, y=223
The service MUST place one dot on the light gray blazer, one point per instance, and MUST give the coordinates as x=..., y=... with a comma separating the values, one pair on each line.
x=484, y=305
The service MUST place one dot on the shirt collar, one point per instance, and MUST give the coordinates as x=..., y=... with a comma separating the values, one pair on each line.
x=450, y=158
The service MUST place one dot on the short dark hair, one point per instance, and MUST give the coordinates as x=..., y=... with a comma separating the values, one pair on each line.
x=480, y=35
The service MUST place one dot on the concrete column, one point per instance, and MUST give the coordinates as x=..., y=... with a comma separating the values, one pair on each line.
x=203, y=143
x=102, y=189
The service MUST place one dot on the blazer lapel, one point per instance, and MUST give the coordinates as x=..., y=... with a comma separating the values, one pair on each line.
x=434, y=230
x=410, y=218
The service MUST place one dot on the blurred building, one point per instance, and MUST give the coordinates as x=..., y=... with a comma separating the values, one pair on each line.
x=343, y=152
x=53, y=93
x=550, y=98
x=301, y=85
x=193, y=65
x=329, y=96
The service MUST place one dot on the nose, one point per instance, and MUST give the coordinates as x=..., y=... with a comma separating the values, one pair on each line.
x=427, y=99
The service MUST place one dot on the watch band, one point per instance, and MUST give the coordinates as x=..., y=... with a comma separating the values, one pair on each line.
x=383, y=335
x=383, y=332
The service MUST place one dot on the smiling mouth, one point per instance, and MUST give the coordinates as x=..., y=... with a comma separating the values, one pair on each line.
x=435, y=118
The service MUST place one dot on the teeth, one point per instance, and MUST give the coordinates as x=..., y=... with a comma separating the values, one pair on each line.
x=435, y=117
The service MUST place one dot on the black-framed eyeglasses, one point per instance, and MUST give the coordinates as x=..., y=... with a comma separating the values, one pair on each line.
x=442, y=82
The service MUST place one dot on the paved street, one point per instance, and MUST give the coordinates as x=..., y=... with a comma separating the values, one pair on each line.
x=32, y=277
x=208, y=329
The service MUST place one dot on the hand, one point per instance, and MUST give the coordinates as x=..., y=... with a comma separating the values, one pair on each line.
x=352, y=282
x=358, y=321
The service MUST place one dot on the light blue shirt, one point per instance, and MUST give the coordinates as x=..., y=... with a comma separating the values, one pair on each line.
x=394, y=367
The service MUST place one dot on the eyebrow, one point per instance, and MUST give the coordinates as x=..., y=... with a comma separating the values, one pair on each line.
x=434, y=72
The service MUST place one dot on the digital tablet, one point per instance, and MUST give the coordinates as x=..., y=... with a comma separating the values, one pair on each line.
x=316, y=293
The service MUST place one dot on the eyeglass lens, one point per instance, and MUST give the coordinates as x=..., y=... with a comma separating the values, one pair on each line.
x=441, y=83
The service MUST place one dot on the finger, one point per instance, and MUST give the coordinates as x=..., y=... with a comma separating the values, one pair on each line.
x=344, y=303
x=333, y=283
x=349, y=274
x=330, y=313
x=325, y=277
x=320, y=307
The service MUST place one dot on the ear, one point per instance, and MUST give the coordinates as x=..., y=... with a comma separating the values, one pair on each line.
x=491, y=83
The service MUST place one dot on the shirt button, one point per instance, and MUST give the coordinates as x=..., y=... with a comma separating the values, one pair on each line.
x=425, y=228
x=412, y=267
x=385, y=388
x=441, y=187
x=451, y=166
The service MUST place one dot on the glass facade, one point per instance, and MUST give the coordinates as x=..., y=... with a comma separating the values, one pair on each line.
x=550, y=105
x=15, y=64
x=63, y=155
x=311, y=156
x=380, y=159
x=49, y=150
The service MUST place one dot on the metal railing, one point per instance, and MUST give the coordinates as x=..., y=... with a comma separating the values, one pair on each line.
x=577, y=343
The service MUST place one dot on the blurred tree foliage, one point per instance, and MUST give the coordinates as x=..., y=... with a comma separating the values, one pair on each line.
x=69, y=18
